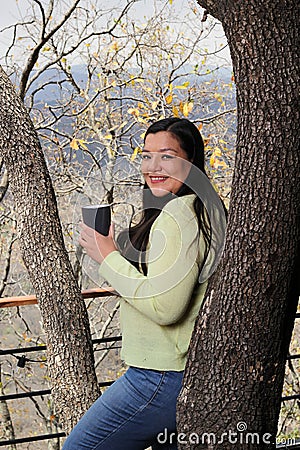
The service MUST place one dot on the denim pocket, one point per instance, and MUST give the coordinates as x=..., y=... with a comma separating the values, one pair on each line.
x=145, y=383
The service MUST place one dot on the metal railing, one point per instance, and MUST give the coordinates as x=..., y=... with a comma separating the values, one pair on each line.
x=90, y=293
x=6, y=302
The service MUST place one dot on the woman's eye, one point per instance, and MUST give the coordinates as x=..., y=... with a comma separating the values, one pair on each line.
x=144, y=156
x=167, y=157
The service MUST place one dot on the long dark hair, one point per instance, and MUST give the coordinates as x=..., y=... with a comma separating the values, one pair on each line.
x=134, y=241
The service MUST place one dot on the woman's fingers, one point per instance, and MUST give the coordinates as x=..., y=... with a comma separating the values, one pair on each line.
x=87, y=230
x=95, y=244
x=111, y=232
x=87, y=235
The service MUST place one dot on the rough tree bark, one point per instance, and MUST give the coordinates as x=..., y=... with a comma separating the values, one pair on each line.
x=65, y=320
x=235, y=372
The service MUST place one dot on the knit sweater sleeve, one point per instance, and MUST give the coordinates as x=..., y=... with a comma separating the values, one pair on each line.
x=162, y=295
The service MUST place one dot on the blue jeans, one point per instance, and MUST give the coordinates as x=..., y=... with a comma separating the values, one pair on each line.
x=137, y=411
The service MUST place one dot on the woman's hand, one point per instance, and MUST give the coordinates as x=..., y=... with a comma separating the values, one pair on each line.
x=96, y=245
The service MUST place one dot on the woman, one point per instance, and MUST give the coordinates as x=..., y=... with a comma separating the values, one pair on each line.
x=155, y=268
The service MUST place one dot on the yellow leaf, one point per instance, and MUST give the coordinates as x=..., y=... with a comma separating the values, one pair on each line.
x=183, y=85
x=190, y=106
x=169, y=98
x=212, y=160
x=46, y=49
x=154, y=105
x=218, y=97
x=74, y=145
x=82, y=143
x=135, y=153
x=141, y=120
x=133, y=111
x=26, y=338
x=108, y=137
x=114, y=46
x=185, y=109
x=175, y=111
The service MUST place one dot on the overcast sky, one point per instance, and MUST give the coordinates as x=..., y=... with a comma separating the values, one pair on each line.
x=11, y=9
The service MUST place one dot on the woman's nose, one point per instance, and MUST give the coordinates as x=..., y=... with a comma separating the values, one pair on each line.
x=154, y=163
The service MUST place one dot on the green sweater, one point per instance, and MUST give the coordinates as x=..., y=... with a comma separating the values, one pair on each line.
x=158, y=311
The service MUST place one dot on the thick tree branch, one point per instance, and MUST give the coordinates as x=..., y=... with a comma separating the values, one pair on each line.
x=216, y=8
x=65, y=319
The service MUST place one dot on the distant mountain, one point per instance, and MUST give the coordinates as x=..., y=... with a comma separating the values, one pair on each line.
x=54, y=82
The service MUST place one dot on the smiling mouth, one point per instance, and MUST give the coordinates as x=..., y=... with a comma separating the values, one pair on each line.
x=158, y=179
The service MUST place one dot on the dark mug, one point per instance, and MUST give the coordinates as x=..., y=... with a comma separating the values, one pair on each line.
x=97, y=217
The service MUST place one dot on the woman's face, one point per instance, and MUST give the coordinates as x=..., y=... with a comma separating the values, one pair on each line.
x=165, y=164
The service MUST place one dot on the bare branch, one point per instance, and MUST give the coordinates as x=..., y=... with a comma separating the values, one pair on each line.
x=36, y=51
x=15, y=26
x=43, y=18
x=216, y=116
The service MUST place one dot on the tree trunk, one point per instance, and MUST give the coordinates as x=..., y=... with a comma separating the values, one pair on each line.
x=235, y=372
x=65, y=319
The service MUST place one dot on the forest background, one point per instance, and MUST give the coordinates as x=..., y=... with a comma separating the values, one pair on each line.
x=92, y=85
